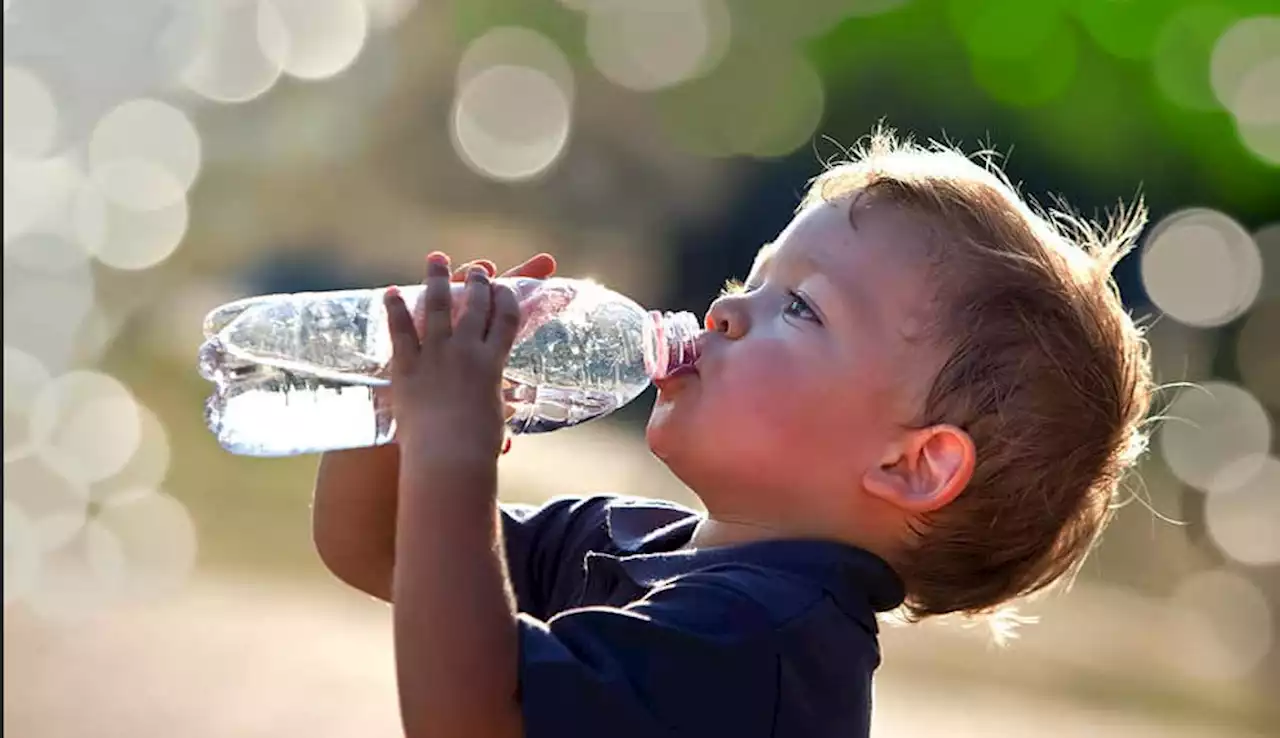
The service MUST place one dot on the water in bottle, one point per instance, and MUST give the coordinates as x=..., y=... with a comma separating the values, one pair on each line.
x=308, y=372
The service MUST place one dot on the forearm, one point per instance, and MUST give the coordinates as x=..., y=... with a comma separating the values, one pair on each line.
x=353, y=518
x=455, y=632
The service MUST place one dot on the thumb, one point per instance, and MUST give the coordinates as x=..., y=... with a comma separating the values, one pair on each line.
x=404, y=336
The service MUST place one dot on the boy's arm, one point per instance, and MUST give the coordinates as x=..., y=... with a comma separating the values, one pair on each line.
x=455, y=619
x=353, y=520
x=354, y=506
x=454, y=616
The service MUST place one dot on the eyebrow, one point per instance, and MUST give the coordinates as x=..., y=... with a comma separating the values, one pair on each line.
x=856, y=303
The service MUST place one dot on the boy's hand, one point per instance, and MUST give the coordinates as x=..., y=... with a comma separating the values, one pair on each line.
x=446, y=385
x=539, y=266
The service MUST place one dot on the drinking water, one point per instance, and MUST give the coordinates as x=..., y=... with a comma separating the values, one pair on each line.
x=308, y=372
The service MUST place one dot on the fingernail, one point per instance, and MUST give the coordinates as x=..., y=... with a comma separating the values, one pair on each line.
x=438, y=257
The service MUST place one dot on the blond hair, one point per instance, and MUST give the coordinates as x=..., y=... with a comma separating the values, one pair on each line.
x=1046, y=371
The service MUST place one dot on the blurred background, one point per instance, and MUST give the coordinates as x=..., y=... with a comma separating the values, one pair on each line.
x=164, y=156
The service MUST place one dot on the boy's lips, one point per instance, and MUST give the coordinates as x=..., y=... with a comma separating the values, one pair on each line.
x=676, y=375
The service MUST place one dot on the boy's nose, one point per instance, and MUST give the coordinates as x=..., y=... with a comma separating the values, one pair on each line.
x=728, y=316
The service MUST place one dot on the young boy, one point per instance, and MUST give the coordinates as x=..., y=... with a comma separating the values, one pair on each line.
x=924, y=396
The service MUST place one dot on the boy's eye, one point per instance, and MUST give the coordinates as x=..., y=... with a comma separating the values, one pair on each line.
x=798, y=307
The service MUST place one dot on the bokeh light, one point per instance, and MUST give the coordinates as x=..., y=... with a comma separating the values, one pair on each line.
x=652, y=44
x=1261, y=139
x=1201, y=267
x=1039, y=77
x=1245, y=69
x=148, y=467
x=55, y=505
x=1005, y=29
x=240, y=50
x=126, y=237
x=1243, y=511
x=134, y=141
x=86, y=425
x=722, y=114
x=1210, y=426
x=515, y=46
x=1124, y=29
x=1245, y=75
x=30, y=114
x=43, y=311
x=324, y=36
x=50, y=253
x=144, y=543
x=75, y=577
x=1183, y=52
x=1222, y=625
x=24, y=377
x=137, y=185
x=510, y=122
x=38, y=194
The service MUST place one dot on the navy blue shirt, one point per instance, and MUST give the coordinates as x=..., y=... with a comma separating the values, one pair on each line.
x=623, y=634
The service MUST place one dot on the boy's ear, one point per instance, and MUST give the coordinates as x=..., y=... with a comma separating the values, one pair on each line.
x=928, y=469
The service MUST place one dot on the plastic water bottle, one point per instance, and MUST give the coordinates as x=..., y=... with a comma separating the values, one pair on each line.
x=308, y=372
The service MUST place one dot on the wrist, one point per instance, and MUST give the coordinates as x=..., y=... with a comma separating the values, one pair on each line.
x=443, y=438
x=443, y=453
x=448, y=475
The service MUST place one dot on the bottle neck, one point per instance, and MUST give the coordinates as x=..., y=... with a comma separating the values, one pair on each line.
x=670, y=342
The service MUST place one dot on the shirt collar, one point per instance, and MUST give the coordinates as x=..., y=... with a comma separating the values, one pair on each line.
x=648, y=538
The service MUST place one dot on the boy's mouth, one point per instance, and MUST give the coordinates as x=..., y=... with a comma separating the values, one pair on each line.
x=675, y=376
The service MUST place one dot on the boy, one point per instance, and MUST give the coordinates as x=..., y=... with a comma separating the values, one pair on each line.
x=924, y=396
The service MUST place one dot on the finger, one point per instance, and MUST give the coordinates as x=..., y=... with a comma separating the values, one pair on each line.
x=475, y=314
x=540, y=266
x=506, y=319
x=404, y=338
x=460, y=274
x=438, y=303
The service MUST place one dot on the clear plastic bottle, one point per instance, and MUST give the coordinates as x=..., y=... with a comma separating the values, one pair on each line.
x=307, y=372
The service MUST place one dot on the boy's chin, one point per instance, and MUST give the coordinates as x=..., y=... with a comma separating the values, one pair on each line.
x=663, y=431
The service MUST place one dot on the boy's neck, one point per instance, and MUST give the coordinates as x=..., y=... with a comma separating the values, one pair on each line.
x=717, y=530
x=714, y=532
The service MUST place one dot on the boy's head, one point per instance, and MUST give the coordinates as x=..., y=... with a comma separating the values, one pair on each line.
x=923, y=366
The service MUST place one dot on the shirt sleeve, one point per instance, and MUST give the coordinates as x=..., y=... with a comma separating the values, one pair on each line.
x=545, y=547
x=693, y=658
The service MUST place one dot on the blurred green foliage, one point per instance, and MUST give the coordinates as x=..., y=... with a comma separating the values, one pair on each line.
x=1111, y=94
